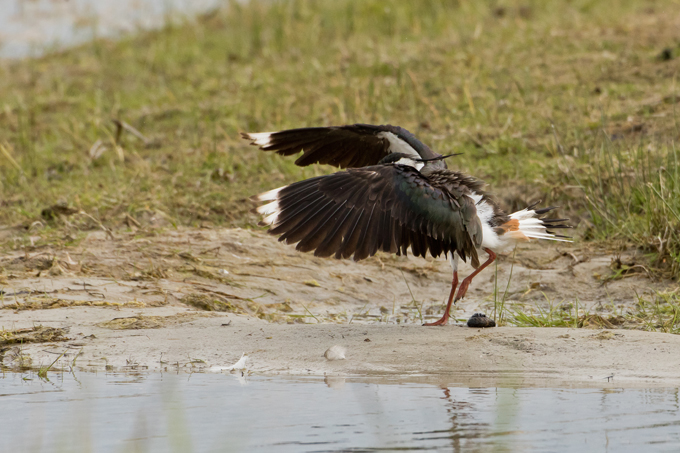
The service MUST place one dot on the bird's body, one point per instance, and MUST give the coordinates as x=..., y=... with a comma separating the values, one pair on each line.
x=395, y=193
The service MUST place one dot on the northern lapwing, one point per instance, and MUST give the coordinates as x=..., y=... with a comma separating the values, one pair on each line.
x=395, y=193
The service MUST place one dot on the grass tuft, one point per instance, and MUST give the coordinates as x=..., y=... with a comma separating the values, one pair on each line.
x=633, y=194
x=660, y=314
x=554, y=315
x=43, y=370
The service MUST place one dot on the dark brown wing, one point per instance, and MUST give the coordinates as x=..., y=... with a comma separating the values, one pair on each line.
x=383, y=207
x=356, y=145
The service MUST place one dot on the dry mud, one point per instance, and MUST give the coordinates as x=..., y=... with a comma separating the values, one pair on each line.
x=196, y=300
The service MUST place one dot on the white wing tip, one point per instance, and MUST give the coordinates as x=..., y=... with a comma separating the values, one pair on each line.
x=270, y=195
x=259, y=138
x=269, y=208
x=270, y=212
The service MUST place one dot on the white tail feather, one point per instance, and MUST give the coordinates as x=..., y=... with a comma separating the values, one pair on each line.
x=532, y=227
x=523, y=214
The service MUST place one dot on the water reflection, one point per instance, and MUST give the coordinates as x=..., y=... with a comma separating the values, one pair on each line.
x=159, y=413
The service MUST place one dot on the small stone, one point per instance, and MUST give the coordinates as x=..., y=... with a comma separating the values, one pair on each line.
x=336, y=352
x=665, y=55
x=480, y=320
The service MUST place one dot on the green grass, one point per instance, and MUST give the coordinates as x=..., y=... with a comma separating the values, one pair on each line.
x=634, y=194
x=532, y=92
x=553, y=315
x=43, y=370
x=660, y=314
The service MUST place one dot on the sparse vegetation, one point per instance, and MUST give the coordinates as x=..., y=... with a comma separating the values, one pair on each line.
x=37, y=334
x=660, y=314
x=633, y=194
x=43, y=370
x=547, y=100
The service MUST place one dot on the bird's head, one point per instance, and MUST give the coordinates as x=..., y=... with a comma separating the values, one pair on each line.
x=403, y=159
x=411, y=161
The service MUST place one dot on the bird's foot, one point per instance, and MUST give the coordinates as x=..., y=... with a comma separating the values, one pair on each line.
x=442, y=322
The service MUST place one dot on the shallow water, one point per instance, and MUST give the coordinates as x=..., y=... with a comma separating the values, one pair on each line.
x=30, y=27
x=212, y=412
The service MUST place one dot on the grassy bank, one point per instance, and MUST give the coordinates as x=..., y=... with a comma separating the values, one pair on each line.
x=571, y=102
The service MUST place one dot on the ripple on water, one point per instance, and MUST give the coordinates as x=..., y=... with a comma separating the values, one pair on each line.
x=208, y=412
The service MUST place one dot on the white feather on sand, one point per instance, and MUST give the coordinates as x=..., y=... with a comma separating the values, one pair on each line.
x=240, y=365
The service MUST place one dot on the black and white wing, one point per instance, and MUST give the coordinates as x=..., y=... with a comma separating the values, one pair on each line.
x=356, y=145
x=383, y=207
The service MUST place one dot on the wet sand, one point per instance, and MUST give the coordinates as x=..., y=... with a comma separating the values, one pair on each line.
x=130, y=303
x=194, y=341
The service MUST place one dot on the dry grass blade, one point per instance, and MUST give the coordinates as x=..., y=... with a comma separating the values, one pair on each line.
x=413, y=299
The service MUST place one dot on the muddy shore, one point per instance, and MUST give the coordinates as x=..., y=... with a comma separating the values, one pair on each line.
x=197, y=300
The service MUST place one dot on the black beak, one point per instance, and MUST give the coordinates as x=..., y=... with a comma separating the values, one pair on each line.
x=438, y=158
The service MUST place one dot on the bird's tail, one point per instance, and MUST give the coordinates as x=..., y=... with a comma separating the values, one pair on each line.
x=529, y=224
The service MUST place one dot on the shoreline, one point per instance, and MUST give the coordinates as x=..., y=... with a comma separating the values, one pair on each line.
x=205, y=342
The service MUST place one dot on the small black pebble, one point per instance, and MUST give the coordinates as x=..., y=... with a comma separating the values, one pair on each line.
x=480, y=320
x=665, y=55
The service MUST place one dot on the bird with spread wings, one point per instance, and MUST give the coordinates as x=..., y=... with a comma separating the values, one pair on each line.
x=394, y=193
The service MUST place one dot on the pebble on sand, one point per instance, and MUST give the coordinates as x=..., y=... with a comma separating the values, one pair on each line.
x=480, y=320
x=335, y=353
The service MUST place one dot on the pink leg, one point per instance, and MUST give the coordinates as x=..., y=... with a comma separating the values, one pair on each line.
x=466, y=282
x=445, y=318
x=463, y=289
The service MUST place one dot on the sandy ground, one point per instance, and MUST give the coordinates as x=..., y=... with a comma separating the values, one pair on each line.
x=196, y=300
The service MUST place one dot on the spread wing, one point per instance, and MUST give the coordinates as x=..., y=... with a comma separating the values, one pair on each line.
x=356, y=145
x=383, y=207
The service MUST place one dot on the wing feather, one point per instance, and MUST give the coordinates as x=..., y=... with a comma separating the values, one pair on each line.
x=309, y=222
x=349, y=244
x=354, y=145
x=316, y=237
x=333, y=239
x=390, y=207
x=368, y=234
x=301, y=211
